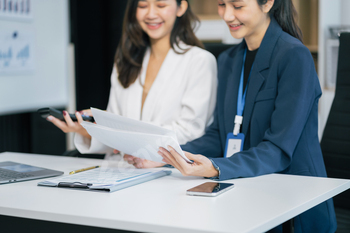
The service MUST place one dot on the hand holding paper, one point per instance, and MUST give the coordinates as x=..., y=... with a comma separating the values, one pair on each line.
x=130, y=136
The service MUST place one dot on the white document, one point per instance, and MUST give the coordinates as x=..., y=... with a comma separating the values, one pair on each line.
x=130, y=136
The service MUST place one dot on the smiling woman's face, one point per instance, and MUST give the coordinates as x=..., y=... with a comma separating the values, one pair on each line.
x=244, y=18
x=157, y=17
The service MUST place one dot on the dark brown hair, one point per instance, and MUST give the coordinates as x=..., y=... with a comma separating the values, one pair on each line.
x=134, y=41
x=285, y=14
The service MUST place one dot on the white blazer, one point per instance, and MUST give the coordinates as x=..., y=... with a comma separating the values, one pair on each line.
x=182, y=97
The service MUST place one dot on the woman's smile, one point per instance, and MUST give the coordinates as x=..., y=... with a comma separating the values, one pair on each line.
x=235, y=27
x=154, y=26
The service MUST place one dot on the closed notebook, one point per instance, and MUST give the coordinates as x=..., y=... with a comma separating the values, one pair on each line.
x=105, y=179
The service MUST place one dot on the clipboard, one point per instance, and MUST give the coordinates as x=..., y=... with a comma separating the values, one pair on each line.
x=105, y=179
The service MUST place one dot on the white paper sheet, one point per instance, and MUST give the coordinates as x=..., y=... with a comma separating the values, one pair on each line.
x=130, y=136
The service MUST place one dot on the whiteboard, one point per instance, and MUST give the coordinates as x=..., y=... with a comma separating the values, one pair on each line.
x=34, y=42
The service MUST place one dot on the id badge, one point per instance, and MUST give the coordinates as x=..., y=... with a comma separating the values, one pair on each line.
x=234, y=144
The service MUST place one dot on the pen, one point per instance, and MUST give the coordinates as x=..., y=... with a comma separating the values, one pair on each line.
x=83, y=169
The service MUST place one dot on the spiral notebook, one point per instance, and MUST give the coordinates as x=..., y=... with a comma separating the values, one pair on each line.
x=105, y=179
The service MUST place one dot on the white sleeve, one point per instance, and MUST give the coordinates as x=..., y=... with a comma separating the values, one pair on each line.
x=87, y=146
x=199, y=98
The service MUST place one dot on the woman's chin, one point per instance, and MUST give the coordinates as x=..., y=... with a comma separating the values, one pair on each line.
x=236, y=35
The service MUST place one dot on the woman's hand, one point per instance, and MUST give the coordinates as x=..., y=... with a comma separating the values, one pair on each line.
x=201, y=166
x=86, y=112
x=141, y=163
x=69, y=125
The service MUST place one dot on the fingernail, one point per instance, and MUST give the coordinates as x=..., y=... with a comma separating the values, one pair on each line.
x=49, y=118
x=169, y=148
x=64, y=113
x=81, y=112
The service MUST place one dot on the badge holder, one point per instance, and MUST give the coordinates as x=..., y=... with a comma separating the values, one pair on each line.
x=235, y=140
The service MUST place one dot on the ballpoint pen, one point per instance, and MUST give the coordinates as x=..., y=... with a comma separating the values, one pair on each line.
x=83, y=169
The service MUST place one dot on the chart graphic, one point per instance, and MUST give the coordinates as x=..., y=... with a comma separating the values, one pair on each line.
x=16, y=52
x=16, y=9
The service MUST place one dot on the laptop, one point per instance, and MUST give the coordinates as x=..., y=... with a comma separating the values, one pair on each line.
x=14, y=172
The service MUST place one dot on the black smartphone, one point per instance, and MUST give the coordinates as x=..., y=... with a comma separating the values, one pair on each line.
x=45, y=112
x=209, y=189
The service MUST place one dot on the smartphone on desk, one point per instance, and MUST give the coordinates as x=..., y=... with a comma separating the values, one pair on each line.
x=210, y=189
x=45, y=112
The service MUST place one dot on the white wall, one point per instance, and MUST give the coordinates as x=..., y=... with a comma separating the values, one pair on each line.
x=345, y=14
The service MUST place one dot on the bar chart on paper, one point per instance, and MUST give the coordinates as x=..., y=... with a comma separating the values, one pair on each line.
x=15, y=9
x=16, y=51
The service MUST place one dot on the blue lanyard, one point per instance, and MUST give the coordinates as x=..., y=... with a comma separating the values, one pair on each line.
x=241, y=99
x=241, y=95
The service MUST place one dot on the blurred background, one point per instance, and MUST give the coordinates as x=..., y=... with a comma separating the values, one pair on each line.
x=66, y=50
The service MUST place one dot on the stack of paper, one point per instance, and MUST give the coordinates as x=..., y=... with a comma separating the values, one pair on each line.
x=130, y=136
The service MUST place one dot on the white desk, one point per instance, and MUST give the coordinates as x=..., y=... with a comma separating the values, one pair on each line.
x=253, y=205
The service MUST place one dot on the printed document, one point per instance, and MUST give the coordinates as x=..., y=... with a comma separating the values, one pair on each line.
x=133, y=137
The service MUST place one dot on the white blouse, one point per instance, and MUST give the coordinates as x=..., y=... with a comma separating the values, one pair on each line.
x=182, y=97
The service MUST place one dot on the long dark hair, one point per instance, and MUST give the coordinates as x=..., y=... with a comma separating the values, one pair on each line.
x=134, y=41
x=285, y=14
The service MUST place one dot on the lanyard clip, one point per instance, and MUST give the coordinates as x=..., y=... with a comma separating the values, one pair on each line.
x=238, y=123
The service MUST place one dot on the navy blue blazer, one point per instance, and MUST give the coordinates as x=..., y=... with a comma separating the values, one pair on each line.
x=280, y=119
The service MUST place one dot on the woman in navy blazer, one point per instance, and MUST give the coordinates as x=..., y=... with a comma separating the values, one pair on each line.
x=280, y=120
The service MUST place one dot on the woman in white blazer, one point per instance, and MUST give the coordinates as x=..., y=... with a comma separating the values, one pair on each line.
x=161, y=74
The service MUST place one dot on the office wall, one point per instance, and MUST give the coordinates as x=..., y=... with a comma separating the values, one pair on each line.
x=345, y=14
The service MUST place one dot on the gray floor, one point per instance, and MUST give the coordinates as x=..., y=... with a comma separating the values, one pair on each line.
x=343, y=220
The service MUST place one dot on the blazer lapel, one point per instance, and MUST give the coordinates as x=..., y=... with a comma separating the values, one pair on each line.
x=255, y=83
x=261, y=62
x=233, y=79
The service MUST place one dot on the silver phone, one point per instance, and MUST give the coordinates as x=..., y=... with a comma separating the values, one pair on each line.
x=209, y=189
